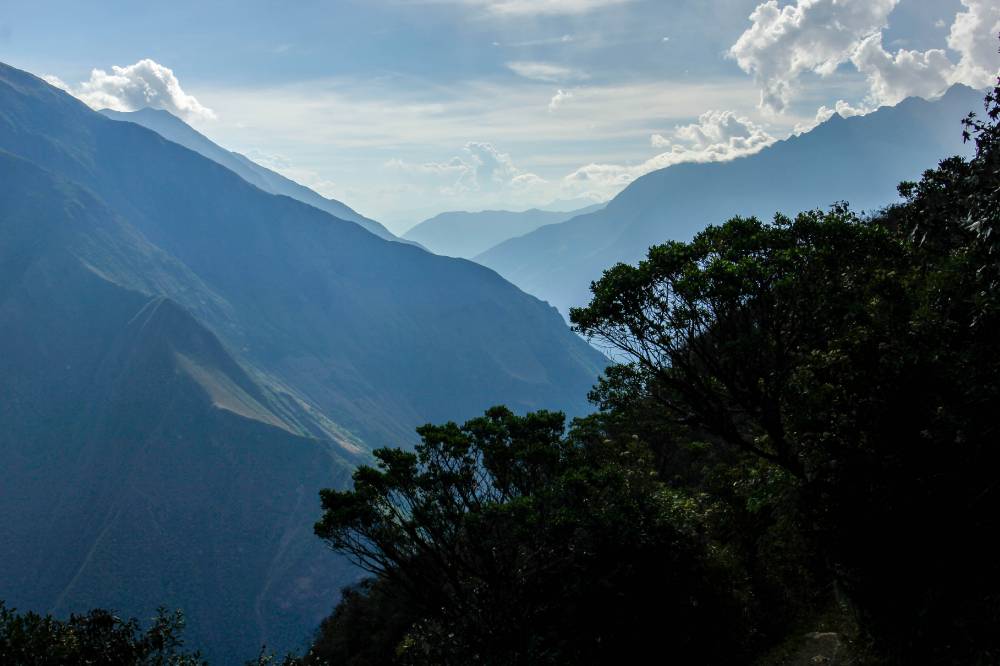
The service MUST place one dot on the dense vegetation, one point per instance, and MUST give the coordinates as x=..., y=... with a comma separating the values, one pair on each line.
x=800, y=433
x=98, y=637
x=801, y=430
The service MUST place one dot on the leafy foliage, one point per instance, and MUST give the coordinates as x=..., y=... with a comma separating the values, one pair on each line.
x=506, y=541
x=857, y=356
x=800, y=432
x=98, y=637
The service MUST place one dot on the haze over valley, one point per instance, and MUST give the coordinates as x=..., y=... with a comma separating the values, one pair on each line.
x=499, y=331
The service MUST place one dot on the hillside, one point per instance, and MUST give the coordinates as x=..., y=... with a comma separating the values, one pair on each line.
x=185, y=360
x=174, y=129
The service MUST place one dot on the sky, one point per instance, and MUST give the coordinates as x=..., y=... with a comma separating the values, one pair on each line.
x=406, y=108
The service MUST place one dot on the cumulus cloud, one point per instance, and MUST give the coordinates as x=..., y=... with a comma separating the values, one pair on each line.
x=545, y=71
x=842, y=108
x=483, y=169
x=559, y=99
x=146, y=83
x=722, y=134
x=717, y=136
x=817, y=36
x=894, y=77
x=973, y=36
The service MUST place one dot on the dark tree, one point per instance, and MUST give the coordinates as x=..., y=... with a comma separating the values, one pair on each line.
x=511, y=543
x=859, y=357
x=97, y=637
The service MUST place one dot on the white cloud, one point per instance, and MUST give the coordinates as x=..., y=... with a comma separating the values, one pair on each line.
x=55, y=81
x=824, y=113
x=483, y=170
x=146, y=83
x=894, y=77
x=974, y=36
x=350, y=130
x=843, y=109
x=718, y=136
x=559, y=99
x=545, y=71
x=722, y=133
x=817, y=36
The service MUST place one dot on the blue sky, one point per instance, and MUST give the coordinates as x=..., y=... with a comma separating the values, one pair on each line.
x=404, y=108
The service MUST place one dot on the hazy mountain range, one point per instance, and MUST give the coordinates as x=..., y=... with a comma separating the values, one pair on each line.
x=462, y=234
x=174, y=129
x=860, y=159
x=186, y=359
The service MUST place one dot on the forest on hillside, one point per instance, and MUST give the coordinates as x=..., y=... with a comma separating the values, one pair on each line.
x=797, y=444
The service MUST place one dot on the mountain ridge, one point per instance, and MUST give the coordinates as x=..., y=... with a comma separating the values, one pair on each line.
x=860, y=159
x=465, y=234
x=186, y=360
x=174, y=129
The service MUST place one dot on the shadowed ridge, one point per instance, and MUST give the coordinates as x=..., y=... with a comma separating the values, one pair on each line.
x=176, y=130
x=153, y=461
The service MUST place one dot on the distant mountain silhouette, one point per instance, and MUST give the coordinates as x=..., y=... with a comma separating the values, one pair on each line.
x=859, y=159
x=174, y=129
x=185, y=360
x=462, y=234
x=571, y=205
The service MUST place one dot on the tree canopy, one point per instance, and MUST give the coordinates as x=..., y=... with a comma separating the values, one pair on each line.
x=799, y=432
x=508, y=541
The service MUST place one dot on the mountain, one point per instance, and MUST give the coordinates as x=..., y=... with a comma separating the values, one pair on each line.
x=571, y=205
x=860, y=160
x=185, y=360
x=174, y=129
x=461, y=234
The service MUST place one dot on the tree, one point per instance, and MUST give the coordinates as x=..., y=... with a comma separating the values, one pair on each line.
x=804, y=417
x=511, y=543
x=857, y=356
x=728, y=326
x=97, y=637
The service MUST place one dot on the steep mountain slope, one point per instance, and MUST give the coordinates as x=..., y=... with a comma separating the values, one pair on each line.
x=185, y=360
x=174, y=129
x=142, y=464
x=860, y=160
x=462, y=234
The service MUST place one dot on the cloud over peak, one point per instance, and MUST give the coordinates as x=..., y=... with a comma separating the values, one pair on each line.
x=717, y=136
x=146, y=83
x=818, y=36
x=894, y=77
x=783, y=43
